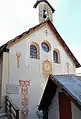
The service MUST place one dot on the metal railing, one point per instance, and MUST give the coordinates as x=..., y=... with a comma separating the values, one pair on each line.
x=11, y=108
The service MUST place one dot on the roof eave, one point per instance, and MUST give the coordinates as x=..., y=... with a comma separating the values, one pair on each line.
x=54, y=81
x=77, y=64
x=50, y=90
x=72, y=98
x=37, y=2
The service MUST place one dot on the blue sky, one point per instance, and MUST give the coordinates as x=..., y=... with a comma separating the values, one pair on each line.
x=68, y=24
x=16, y=16
x=68, y=21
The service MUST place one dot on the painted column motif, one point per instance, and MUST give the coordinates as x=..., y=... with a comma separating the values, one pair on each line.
x=67, y=64
x=18, y=54
x=24, y=98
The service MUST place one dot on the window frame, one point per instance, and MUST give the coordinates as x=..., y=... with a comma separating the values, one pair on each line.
x=57, y=56
x=36, y=51
x=33, y=51
x=46, y=45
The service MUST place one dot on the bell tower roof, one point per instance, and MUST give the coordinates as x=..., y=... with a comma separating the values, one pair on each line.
x=38, y=2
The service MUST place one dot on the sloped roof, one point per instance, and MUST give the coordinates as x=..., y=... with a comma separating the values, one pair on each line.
x=33, y=29
x=38, y=1
x=4, y=48
x=69, y=84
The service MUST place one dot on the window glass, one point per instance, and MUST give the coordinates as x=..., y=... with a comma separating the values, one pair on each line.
x=33, y=52
x=45, y=47
x=55, y=56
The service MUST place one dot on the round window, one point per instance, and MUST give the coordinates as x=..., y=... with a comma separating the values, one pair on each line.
x=45, y=47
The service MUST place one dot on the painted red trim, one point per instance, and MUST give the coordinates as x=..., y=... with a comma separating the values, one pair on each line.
x=64, y=106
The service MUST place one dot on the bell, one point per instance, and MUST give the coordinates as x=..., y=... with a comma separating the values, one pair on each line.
x=44, y=14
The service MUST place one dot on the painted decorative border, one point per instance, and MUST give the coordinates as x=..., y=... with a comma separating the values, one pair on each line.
x=24, y=101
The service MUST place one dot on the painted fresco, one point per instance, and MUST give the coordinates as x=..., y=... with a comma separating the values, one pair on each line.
x=47, y=68
x=24, y=95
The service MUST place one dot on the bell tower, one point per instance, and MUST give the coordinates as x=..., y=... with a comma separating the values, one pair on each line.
x=45, y=10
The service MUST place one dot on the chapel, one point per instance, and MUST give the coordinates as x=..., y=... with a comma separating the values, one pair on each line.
x=27, y=61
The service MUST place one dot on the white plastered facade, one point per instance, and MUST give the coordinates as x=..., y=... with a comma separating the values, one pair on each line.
x=31, y=69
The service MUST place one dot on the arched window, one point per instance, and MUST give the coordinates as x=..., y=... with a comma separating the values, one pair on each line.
x=46, y=46
x=56, y=56
x=33, y=52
